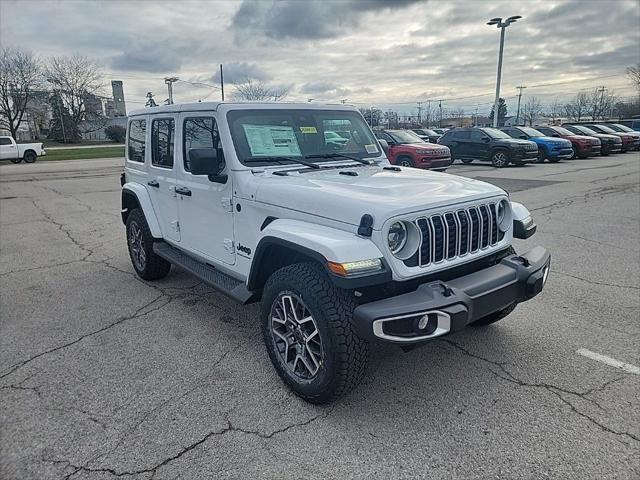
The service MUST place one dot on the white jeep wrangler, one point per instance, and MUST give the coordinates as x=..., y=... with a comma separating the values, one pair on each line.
x=340, y=247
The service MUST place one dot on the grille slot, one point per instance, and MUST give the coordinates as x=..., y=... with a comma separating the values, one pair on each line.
x=450, y=235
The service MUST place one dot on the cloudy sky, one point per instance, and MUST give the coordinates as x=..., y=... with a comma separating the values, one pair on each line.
x=379, y=52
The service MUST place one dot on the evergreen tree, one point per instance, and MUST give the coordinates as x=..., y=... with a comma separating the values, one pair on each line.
x=502, y=112
x=62, y=127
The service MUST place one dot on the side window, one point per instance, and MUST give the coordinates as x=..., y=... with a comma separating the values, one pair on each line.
x=477, y=135
x=462, y=135
x=5, y=141
x=162, y=139
x=199, y=133
x=136, y=142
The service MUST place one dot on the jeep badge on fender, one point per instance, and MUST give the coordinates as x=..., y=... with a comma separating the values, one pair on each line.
x=345, y=250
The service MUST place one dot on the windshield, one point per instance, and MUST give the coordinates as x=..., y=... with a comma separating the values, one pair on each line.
x=605, y=129
x=405, y=136
x=532, y=132
x=621, y=128
x=495, y=133
x=585, y=130
x=562, y=131
x=297, y=133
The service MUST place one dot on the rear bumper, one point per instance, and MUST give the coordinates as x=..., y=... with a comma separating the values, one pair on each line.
x=455, y=304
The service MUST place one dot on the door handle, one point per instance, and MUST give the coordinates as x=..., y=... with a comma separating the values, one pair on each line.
x=183, y=191
x=153, y=183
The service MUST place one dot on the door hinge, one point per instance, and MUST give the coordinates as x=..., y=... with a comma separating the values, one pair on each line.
x=175, y=224
x=227, y=204
x=228, y=245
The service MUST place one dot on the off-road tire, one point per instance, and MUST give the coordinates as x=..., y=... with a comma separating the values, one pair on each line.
x=496, y=316
x=496, y=160
x=405, y=161
x=154, y=267
x=345, y=354
x=466, y=161
x=541, y=156
x=15, y=160
x=30, y=156
x=553, y=160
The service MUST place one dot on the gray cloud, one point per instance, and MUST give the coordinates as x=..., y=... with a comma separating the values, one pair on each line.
x=238, y=72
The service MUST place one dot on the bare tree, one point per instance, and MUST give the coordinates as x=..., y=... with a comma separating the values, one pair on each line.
x=634, y=75
x=577, y=108
x=20, y=79
x=532, y=110
x=555, y=109
x=78, y=81
x=252, y=90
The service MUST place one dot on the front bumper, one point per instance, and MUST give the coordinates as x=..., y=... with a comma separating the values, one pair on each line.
x=455, y=304
x=563, y=154
x=520, y=156
x=435, y=163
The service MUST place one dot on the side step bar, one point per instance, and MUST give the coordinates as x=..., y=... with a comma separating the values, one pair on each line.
x=205, y=272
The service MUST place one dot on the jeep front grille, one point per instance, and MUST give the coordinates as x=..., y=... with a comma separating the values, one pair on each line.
x=455, y=234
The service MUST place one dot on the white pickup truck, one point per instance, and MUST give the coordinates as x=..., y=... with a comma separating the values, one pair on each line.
x=16, y=152
x=340, y=247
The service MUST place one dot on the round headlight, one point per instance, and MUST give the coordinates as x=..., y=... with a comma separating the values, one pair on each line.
x=503, y=215
x=397, y=237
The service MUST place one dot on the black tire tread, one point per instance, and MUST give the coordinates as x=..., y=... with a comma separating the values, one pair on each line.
x=156, y=267
x=337, y=306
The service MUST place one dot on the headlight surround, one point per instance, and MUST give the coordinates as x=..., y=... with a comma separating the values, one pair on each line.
x=503, y=215
x=403, y=239
x=425, y=152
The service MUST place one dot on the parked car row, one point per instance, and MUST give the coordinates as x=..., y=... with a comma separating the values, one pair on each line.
x=406, y=148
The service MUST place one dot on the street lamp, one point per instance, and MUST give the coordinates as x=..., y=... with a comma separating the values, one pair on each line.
x=502, y=25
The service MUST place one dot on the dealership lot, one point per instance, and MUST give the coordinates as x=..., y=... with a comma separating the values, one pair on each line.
x=104, y=375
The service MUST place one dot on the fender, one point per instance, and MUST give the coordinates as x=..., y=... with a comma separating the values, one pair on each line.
x=523, y=224
x=144, y=200
x=324, y=244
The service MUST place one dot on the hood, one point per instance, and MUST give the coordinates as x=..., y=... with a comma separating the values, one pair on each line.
x=378, y=192
x=514, y=141
x=551, y=140
x=609, y=137
x=421, y=146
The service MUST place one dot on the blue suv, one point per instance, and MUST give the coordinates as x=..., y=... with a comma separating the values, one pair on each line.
x=551, y=148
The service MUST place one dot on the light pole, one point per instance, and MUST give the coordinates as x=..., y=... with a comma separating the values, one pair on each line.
x=502, y=26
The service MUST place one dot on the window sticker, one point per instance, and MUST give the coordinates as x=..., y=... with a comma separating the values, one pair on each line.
x=308, y=130
x=271, y=140
x=371, y=148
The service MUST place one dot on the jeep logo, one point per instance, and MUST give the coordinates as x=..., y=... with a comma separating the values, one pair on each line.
x=243, y=249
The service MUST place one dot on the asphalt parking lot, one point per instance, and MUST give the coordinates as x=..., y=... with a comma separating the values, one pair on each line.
x=103, y=375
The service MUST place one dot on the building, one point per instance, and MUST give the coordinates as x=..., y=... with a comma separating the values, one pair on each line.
x=119, y=106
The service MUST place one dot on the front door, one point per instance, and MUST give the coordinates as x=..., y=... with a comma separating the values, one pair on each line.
x=479, y=144
x=161, y=181
x=205, y=208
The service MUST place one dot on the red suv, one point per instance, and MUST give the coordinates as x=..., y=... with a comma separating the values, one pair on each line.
x=409, y=150
x=583, y=146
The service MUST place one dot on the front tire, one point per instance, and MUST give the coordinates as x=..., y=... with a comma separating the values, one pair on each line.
x=541, y=156
x=146, y=263
x=466, y=161
x=405, y=162
x=308, y=332
x=30, y=157
x=500, y=159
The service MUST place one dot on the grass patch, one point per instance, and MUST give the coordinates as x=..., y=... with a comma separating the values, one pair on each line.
x=82, y=154
x=52, y=143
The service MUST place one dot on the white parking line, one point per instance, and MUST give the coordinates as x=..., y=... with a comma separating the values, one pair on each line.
x=627, y=367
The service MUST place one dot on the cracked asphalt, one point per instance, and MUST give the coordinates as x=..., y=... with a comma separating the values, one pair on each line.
x=103, y=375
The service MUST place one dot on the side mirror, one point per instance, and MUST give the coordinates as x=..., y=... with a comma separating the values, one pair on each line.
x=384, y=144
x=207, y=161
x=485, y=139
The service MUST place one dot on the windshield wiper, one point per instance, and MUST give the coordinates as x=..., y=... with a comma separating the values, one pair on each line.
x=281, y=159
x=341, y=155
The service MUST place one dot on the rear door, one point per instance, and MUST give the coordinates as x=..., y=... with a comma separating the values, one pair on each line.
x=205, y=209
x=161, y=181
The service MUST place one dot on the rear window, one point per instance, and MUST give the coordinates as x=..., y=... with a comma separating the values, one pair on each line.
x=136, y=141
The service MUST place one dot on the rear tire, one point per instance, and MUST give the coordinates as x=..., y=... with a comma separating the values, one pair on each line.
x=496, y=316
x=146, y=263
x=500, y=158
x=335, y=361
x=466, y=161
x=30, y=156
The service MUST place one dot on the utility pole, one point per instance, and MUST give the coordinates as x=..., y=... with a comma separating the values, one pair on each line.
x=420, y=112
x=343, y=101
x=601, y=103
x=440, y=107
x=521, y=87
x=428, y=113
x=475, y=124
x=221, y=82
x=170, y=81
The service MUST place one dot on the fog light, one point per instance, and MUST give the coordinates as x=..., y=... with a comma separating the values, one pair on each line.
x=422, y=323
x=426, y=324
x=545, y=274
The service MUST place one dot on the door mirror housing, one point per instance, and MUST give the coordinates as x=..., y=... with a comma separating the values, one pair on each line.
x=207, y=161
x=523, y=137
x=485, y=139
